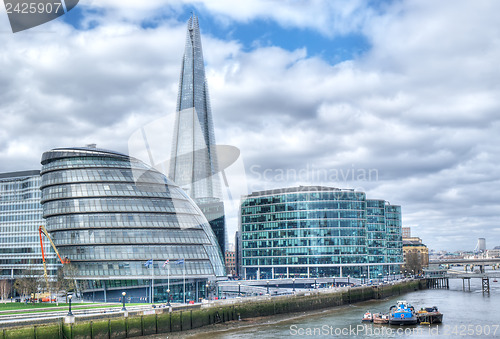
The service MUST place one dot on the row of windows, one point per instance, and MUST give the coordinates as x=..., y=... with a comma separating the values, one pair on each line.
x=113, y=252
x=17, y=185
x=380, y=250
x=306, y=196
x=116, y=205
x=16, y=196
x=375, y=236
x=22, y=206
x=378, y=204
x=304, y=205
x=123, y=269
x=26, y=261
x=325, y=260
x=344, y=244
x=375, y=212
x=19, y=238
x=24, y=217
x=375, y=219
x=121, y=220
x=305, y=233
x=102, y=175
x=130, y=237
x=108, y=190
x=304, y=215
x=303, y=251
x=305, y=223
x=20, y=228
x=89, y=162
x=376, y=227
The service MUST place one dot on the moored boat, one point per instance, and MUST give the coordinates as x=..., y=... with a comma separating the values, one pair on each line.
x=402, y=314
x=380, y=318
x=429, y=315
x=367, y=317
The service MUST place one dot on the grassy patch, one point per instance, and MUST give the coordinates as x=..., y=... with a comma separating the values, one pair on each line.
x=39, y=308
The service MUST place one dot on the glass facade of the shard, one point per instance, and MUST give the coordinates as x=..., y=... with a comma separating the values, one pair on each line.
x=194, y=163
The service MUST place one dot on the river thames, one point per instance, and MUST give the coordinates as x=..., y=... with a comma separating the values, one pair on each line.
x=466, y=314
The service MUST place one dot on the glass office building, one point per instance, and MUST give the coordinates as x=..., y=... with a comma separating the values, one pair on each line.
x=110, y=214
x=213, y=210
x=394, y=237
x=20, y=217
x=376, y=234
x=316, y=231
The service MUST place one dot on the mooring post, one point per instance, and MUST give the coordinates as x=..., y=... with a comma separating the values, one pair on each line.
x=486, y=285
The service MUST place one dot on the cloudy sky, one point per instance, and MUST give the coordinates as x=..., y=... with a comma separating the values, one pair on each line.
x=399, y=99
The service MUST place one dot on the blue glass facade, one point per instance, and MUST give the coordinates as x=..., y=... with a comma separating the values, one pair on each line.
x=317, y=232
x=110, y=213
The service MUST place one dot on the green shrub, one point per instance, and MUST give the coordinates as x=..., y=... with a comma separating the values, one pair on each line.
x=134, y=327
x=117, y=327
x=176, y=321
x=20, y=333
x=100, y=329
x=164, y=323
x=149, y=323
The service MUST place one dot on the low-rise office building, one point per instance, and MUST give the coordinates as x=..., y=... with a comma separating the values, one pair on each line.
x=316, y=231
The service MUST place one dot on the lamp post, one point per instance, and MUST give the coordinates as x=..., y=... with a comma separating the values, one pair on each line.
x=349, y=280
x=314, y=283
x=380, y=277
x=293, y=280
x=268, y=287
x=239, y=289
x=69, y=312
x=123, y=299
x=168, y=297
x=206, y=293
x=394, y=275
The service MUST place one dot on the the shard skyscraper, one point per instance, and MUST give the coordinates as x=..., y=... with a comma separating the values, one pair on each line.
x=194, y=164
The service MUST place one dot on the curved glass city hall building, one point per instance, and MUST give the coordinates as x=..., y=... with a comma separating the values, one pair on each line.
x=316, y=231
x=112, y=215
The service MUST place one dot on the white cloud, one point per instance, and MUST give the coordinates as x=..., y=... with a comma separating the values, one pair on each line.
x=420, y=106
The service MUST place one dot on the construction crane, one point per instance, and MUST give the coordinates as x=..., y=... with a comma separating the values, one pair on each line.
x=43, y=230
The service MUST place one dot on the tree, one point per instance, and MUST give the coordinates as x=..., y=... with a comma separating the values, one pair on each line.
x=413, y=262
x=65, y=280
x=4, y=289
x=28, y=283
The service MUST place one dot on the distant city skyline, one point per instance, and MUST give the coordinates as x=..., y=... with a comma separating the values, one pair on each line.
x=407, y=90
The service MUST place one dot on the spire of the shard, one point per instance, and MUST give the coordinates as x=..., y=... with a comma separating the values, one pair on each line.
x=194, y=160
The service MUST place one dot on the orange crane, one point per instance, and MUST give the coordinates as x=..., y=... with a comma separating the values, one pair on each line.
x=43, y=230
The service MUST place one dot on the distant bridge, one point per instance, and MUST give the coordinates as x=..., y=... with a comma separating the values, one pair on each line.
x=440, y=279
x=459, y=275
x=487, y=261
